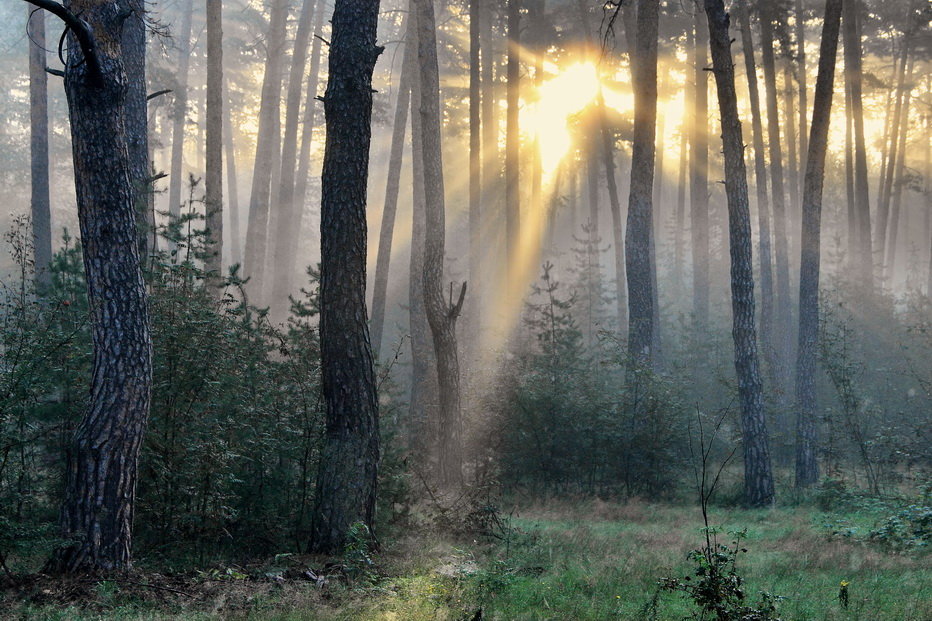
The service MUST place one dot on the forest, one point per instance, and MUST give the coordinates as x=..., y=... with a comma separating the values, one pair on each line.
x=466, y=309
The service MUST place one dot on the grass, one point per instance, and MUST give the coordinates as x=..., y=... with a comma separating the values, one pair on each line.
x=586, y=560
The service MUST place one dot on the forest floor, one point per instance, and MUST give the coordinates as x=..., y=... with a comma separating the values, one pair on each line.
x=585, y=560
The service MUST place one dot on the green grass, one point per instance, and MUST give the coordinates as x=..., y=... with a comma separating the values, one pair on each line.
x=588, y=560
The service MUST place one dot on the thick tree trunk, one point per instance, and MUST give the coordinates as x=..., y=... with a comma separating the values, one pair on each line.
x=176, y=179
x=758, y=477
x=213, y=179
x=234, y=242
x=347, y=476
x=807, y=466
x=638, y=234
x=40, y=204
x=279, y=263
x=852, y=45
x=392, y=185
x=268, y=148
x=441, y=315
x=100, y=482
x=699, y=178
x=760, y=183
x=782, y=302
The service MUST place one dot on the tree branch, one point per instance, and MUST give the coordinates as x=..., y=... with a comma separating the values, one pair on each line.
x=81, y=31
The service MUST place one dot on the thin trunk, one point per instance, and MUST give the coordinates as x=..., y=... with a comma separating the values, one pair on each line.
x=789, y=115
x=102, y=460
x=802, y=81
x=39, y=146
x=441, y=315
x=900, y=175
x=656, y=228
x=758, y=476
x=213, y=179
x=176, y=179
x=137, y=119
x=851, y=248
x=491, y=167
x=852, y=45
x=347, y=478
x=807, y=465
x=476, y=60
x=639, y=230
x=234, y=240
x=680, y=217
x=782, y=317
x=279, y=262
x=387, y=230
x=512, y=140
x=268, y=147
x=892, y=162
x=699, y=178
x=760, y=183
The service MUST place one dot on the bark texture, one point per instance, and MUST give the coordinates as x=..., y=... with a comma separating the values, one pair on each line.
x=213, y=179
x=758, y=477
x=100, y=482
x=137, y=119
x=346, y=480
x=807, y=465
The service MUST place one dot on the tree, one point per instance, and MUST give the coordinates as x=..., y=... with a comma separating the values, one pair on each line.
x=346, y=479
x=234, y=239
x=852, y=41
x=279, y=262
x=39, y=145
x=807, y=466
x=512, y=139
x=699, y=179
x=179, y=112
x=100, y=480
x=758, y=477
x=267, y=147
x=640, y=217
x=137, y=119
x=213, y=180
x=441, y=315
x=475, y=166
x=392, y=185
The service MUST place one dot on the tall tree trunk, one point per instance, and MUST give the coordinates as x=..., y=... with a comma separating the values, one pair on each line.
x=782, y=310
x=278, y=262
x=852, y=45
x=268, y=147
x=387, y=230
x=176, y=179
x=475, y=169
x=807, y=466
x=618, y=235
x=638, y=234
x=789, y=115
x=900, y=174
x=699, y=179
x=137, y=119
x=802, y=80
x=758, y=477
x=512, y=141
x=346, y=479
x=100, y=481
x=234, y=240
x=40, y=204
x=423, y=386
x=441, y=315
x=213, y=179
x=679, y=225
x=760, y=183
x=891, y=163
x=491, y=181
x=309, y=122
x=852, y=246
x=656, y=230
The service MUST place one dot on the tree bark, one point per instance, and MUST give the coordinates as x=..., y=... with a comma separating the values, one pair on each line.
x=639, y=230
x=807, y=466
x=268, y=148
x=758, y=477
x=347, y=476
x=213, y=179
x=40, y=205
x=852, y=45
x=760, y=179
x=512, y=141
x=179, y=113
x=137, y=119
x=278, y=262
x=699, y=180
x=234, y=242
x=441, y=315
x=100, y=482
x=392, y=185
